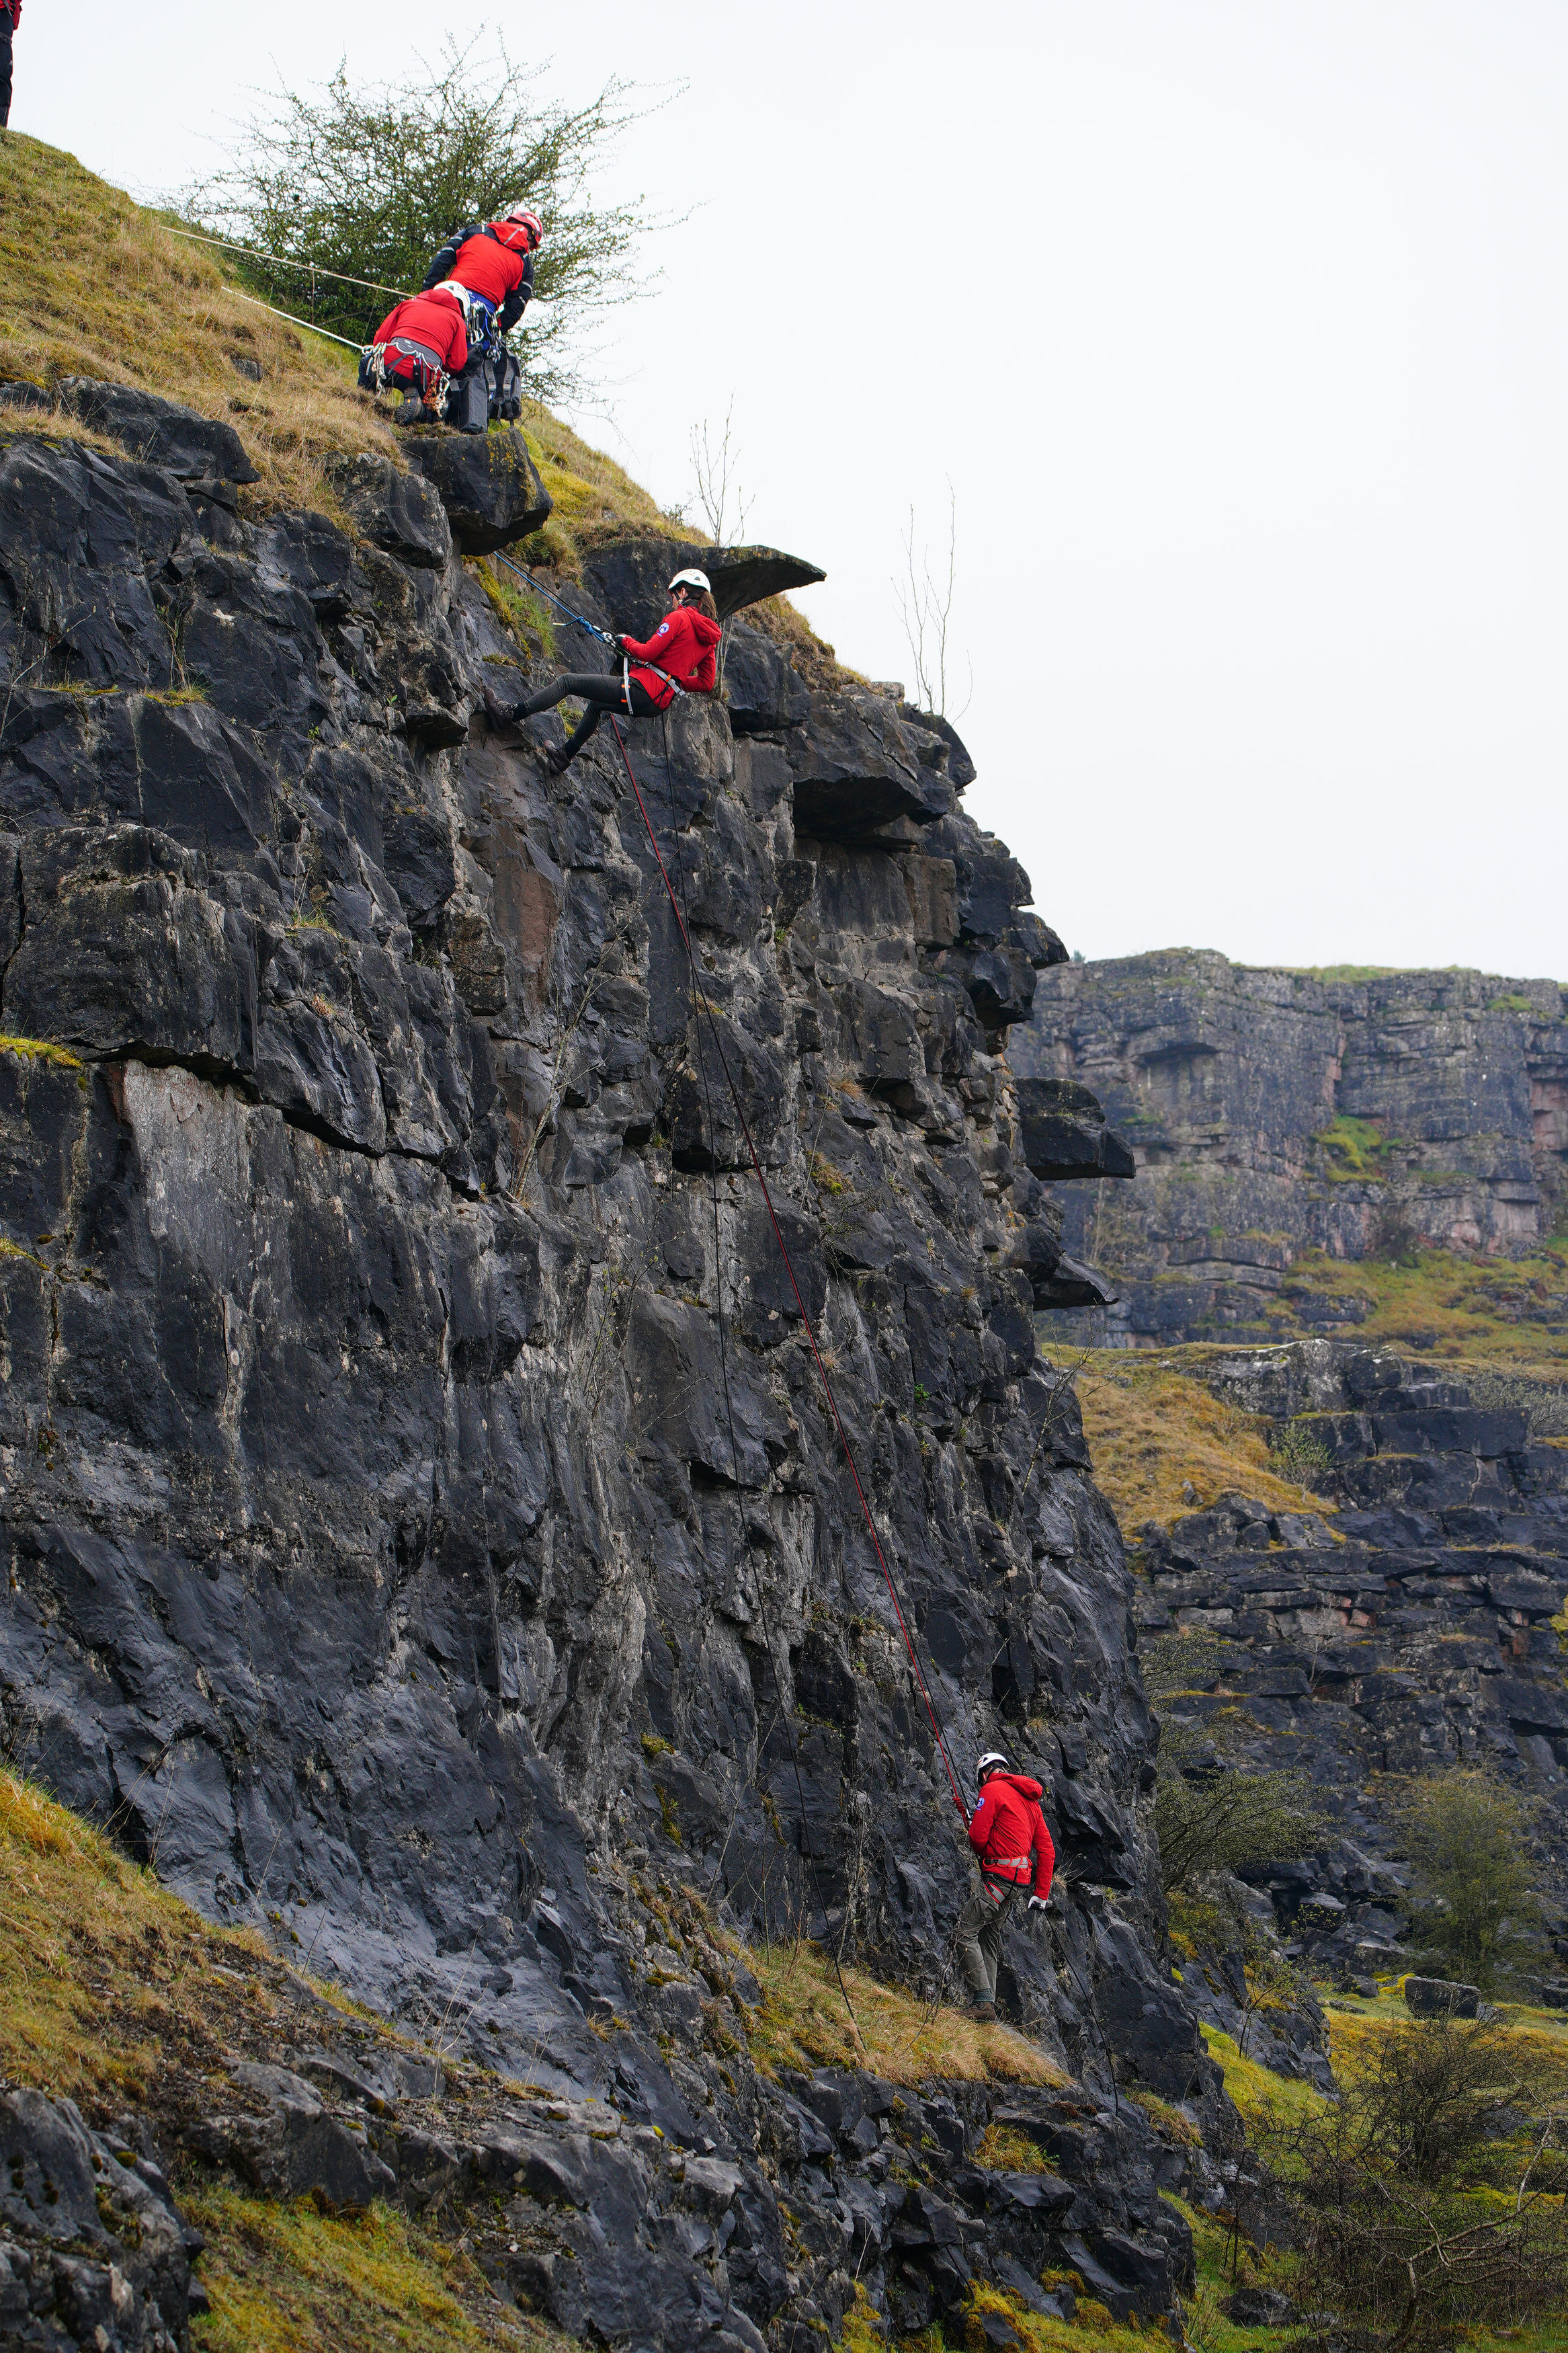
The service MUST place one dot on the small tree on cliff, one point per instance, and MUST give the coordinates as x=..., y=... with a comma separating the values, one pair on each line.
x=1469, y=1839
x=369, y=180
x=1209, y=1816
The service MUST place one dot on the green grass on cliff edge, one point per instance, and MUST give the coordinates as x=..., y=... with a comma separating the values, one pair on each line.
x=1487, y=1309
x=179, y=325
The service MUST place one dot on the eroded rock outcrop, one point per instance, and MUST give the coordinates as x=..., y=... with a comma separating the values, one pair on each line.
x=1276, y=1112
x=1409, y=1631
x=393, y=1527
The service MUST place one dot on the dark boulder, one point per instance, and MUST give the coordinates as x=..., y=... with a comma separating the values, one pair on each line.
x=400, y=512
x=857, y=769
x=1065, y=1133
x=1438, y=1998
x=488, y=483
x=195, y=449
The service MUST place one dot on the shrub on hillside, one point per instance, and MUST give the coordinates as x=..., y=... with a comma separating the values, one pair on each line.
x=370, y=181
x=1209, y=1817
x=1471, y=1905
x=1430, y=2195
x=1299, y=1454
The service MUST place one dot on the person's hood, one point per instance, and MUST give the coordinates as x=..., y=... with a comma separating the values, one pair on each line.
x=707, y=632
x=1021, y=1782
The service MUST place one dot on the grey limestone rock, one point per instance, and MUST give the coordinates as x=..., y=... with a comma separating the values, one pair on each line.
x=91, y=2253
x=1440, y=1998
x=399, y=513
x=388, y=1512
x=488, y=483
x=1273, y=1112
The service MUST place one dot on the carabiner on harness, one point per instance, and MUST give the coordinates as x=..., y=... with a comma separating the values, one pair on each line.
x=404, y=365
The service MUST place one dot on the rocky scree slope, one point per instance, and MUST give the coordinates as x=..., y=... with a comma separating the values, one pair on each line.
x=1274, y=1113
x=1409, y=1631
x=381, y=1557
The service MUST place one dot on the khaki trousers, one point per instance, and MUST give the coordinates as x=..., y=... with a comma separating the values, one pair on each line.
x=980, y=1928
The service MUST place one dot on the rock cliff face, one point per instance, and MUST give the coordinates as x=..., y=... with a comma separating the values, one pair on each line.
x=1276, y=1112
x=402, y=1548
x=1408, y=1633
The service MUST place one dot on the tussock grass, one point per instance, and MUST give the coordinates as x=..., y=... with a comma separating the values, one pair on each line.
x=290, y=2279
x=38, y=1049
x=1508, y=1312
x=115, y=1994
x=1154, y=1431
x=802, y=2022
x=92, y=284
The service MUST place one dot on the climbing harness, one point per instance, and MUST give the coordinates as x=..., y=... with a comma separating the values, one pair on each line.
x=479, y=313
x=426, y=374
x=843, y=1434
x=603, y=635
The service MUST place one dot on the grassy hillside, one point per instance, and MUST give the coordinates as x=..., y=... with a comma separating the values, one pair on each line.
x=92, y=284
x=1510, y=1310
x=115, y=1994
x=1162, y=1444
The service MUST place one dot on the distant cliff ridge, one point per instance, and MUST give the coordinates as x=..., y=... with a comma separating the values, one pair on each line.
x=1276, y=1112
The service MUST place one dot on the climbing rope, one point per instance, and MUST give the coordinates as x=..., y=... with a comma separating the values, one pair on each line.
x=309, y=324
x=899, y=1612
x=278, y=261
x=729, y=1401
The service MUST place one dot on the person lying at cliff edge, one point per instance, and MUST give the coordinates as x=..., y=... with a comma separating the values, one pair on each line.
x=1012, y=1845
x=680, y=658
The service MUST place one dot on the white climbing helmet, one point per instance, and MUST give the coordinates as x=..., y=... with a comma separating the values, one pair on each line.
x=693, y=580
x=991, y=1762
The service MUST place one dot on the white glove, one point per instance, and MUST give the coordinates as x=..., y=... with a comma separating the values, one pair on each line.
x=1038, y=1903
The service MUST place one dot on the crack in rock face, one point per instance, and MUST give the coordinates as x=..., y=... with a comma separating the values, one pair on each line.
x=422, y=1516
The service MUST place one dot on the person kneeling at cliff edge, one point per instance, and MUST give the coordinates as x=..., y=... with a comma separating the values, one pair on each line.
x=680, y=658
x=1012, y=1844
x=417, y=349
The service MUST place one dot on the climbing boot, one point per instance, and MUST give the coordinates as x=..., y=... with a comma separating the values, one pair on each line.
x=983, y=2013
x=556, y=763
x=498, y=713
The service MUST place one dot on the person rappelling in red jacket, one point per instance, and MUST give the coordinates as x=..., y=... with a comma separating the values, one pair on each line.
x=680, y=658
x=1013, y=1846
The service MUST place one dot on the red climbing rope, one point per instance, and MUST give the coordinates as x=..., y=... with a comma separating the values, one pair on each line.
x=954, y=1783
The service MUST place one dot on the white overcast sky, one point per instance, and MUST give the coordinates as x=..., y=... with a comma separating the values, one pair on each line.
x=1237, y=328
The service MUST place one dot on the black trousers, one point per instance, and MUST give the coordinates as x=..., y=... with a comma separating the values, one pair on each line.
x=5, y=66
x=599, y=691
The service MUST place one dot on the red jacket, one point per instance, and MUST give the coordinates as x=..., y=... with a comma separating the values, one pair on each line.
x=1009, y=1830
x=489, y=268
x=434, y=319
x=683, y=644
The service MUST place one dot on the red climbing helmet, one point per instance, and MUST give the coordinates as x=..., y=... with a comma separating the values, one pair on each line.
x=530, y=225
